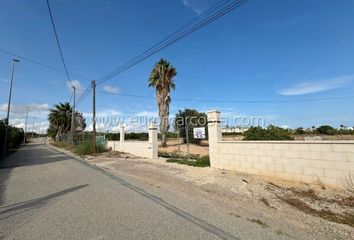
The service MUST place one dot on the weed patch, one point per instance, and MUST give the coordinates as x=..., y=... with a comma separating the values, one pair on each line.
x=86, y=148
x=202, y=162
x=193, y=160
x=83, y=148
x=259, y=222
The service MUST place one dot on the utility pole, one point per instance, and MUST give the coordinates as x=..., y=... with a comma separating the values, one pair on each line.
x=24, y=138
x=94, y=116
x=34, y=120
x=7, y=120
x=73, y=117
x=10, y=93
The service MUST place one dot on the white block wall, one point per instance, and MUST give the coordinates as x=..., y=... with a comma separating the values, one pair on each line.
x=138, y=148
x=147, y=149
x=326, y=162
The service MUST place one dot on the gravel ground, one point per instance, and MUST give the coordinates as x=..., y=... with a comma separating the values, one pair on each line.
x=232, y=196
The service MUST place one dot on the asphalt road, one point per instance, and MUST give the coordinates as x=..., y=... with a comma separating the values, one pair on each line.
x=45, y=194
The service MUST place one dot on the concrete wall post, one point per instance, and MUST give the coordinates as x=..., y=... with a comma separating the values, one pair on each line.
x=153, y=144
x=121, y=134
x=214, y=132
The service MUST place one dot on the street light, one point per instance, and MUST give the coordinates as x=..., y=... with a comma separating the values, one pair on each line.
x=10, y=94
x=9, y=104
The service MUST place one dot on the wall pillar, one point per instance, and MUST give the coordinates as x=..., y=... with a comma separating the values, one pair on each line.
x=121, y=139
x=153, y=145
x=214, y=133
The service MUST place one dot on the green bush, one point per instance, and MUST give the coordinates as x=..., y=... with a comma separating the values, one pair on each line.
x=270, y=133
x=15, y=137
x=86, y=148
x=299, y=131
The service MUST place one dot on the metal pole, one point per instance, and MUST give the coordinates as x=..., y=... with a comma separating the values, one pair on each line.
x=24, y=138
x=94, y=115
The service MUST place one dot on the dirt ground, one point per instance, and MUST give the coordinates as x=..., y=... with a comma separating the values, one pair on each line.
x=292, y=211
x=174, y=146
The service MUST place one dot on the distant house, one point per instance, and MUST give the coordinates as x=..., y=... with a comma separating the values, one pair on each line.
x=237, y=129
x=345, y=128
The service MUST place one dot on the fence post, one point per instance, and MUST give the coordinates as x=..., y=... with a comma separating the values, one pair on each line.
x=121, y=137
x=214, y=132
x=153, y=140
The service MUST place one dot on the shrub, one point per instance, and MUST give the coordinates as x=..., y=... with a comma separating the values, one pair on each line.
x=270, y=133
x=86, y=148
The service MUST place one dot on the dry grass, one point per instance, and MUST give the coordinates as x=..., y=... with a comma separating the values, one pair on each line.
x=265, y=201
x=348, y=183
x=345, y=218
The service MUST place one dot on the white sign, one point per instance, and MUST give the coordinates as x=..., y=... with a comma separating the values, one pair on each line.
x=199, y=133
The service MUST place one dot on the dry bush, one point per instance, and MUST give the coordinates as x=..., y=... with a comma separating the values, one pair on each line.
x=348, y=182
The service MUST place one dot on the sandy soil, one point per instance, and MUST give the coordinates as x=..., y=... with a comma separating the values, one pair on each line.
x=293, y=211
x=173, y=146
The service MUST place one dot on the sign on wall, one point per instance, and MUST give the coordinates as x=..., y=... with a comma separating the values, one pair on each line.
x=199, y=133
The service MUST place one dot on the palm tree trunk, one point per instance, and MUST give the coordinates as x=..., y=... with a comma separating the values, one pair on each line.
x=163, y=114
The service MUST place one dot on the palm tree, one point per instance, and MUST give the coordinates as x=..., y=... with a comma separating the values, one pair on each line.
x=60, y=118
x=161, y=78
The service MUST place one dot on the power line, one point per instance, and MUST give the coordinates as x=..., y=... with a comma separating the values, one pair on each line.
x=58, y=43
x=38, y=63
x=175, y=32
x=235, y=101
x=177, y=35
x=219, y=13
x=84, y=94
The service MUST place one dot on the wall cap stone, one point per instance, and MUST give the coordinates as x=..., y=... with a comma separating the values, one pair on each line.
x=291, y=142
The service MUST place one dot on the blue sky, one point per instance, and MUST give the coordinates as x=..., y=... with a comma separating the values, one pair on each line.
x=264, y=50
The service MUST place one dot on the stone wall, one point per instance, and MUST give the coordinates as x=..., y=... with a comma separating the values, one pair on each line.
x=326, y=162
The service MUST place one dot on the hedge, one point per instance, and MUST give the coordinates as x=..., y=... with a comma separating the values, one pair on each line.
x=15, y=137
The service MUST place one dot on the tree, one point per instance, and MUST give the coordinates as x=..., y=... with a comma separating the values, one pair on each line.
x=191, y=118
x=60, y=120
x=161, y=78
x=326, y=129
x=299, y=130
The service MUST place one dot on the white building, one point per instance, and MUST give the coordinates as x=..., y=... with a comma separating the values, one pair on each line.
x=237, y=129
